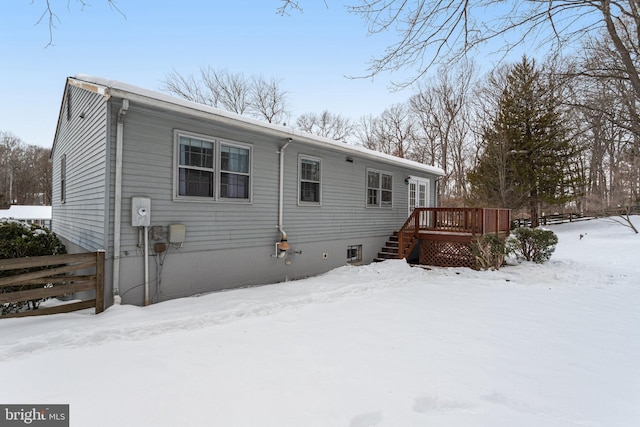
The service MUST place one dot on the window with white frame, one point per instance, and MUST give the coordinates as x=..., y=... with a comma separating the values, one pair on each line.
x=195, y=167
x=210, y=169
x=379, y=189
x=234, y=172
x=309, y=180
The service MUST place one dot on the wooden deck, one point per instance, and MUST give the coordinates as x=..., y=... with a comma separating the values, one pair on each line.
x=445, y=234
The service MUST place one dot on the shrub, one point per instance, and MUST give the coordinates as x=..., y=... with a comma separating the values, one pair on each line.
x=488, y=251
x=532, y=244
x=19, y=240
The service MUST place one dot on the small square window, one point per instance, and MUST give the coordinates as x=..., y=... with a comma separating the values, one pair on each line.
x=354, y=254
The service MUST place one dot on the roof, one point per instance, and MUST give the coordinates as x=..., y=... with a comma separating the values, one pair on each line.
x=112, y=88
x=26, y=212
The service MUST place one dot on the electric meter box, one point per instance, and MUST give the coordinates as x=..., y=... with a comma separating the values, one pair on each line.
x=140, y=211
x=177, y=233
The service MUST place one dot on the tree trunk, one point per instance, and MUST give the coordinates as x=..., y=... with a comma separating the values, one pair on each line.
x=533, y=209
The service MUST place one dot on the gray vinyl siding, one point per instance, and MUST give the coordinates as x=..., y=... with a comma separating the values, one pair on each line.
x=148, y=170
x=81, y=137
x=343, y=212
x=228, y=243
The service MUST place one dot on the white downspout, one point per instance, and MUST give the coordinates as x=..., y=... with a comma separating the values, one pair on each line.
x=146, y=266
x=283, y=234
x=117, y=207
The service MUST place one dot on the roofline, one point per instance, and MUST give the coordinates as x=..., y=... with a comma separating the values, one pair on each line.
x=55, y=135
x=111, y=88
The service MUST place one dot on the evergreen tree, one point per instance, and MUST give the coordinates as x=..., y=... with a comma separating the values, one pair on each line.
x=526, y=152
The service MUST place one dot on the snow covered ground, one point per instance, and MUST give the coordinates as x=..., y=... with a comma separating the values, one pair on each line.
x=380, y=345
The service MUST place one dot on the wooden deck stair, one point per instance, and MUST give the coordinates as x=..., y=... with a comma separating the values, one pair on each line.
x=446, y=234
x=390, y=250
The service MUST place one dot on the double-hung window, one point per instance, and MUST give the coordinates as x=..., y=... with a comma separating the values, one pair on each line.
x=309, y=180
x=195, y=168
x=234, y=172
x=379, y=189
x=211, y=169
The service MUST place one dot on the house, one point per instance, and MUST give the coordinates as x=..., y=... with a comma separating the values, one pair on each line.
x=187, y=199
x=29, y=214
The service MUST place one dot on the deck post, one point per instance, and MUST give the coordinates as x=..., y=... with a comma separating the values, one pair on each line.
x=99, y=281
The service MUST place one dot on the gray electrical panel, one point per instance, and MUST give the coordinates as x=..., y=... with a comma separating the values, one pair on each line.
x=140, y=211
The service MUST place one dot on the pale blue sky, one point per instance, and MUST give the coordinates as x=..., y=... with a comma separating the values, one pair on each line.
x=311, y=53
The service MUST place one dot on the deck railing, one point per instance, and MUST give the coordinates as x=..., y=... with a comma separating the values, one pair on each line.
x=451, y=220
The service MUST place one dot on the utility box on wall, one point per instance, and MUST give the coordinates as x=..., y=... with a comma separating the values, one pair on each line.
x=140, y=211
x=177, y=233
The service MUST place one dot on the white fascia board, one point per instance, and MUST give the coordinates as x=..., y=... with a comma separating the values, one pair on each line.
x=117, y=89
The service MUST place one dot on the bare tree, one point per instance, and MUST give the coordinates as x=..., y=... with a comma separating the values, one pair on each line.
x=232, y=91
x=607, y=107
x=365, y=131
x=25, y=172
x=190, y=88
x=50, y=16
x=326, y=124
x=431, y=31
x=10, y=148
x=441, y=110
x=393, y=132
x=219, y=88
x=268, y=100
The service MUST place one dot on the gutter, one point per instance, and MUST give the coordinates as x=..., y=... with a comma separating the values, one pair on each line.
x=117, y=208
x=207, y=113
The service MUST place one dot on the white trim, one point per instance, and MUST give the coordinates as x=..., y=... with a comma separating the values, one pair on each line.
x=366, y=192
x=418, y=182
x=219, y=171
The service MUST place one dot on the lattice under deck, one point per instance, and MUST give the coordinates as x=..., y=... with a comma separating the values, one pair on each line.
x=446, y=254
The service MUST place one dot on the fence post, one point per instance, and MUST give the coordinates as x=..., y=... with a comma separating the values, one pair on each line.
x=99, y=281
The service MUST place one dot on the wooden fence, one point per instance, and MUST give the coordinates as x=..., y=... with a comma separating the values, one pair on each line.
x=575, y=217
x=53, y=278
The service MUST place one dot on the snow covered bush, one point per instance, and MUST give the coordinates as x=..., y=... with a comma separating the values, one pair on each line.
x=532, y=244
x=488, y=251
x=19, y=240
